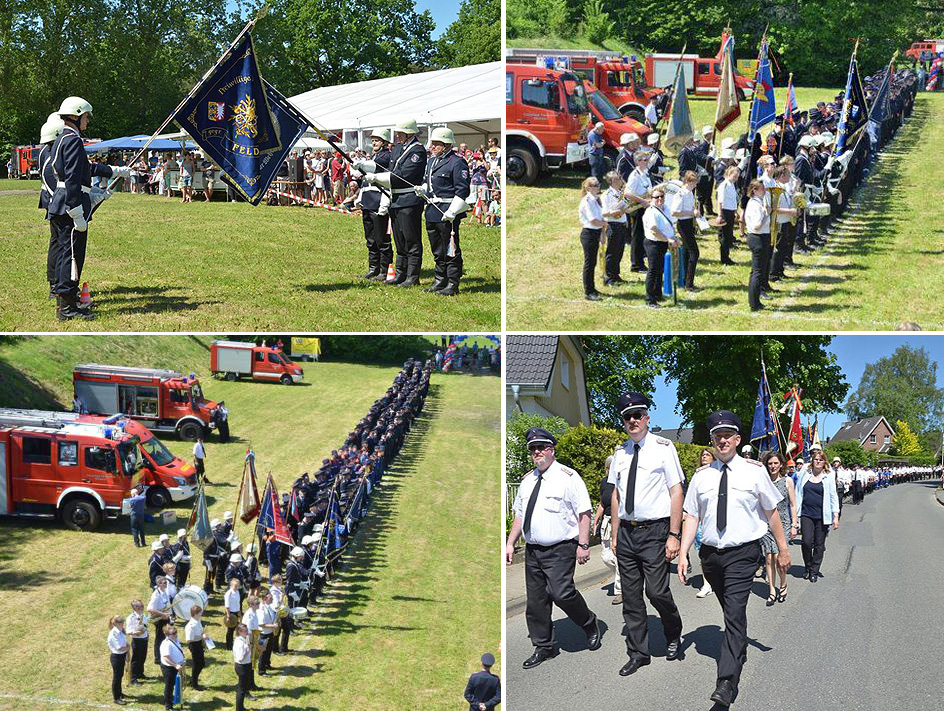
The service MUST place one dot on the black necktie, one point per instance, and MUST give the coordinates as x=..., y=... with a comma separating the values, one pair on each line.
x=723, y=499
x=631, y=482
x=531, y=502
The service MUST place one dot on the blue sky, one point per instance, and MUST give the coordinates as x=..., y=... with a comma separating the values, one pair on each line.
x=444, y=13
x=852, y=352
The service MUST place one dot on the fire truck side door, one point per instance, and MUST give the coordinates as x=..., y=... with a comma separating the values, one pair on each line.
x=34, y=476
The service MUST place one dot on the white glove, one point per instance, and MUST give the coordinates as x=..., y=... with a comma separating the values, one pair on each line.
x=384, y=205
x=370, y=178
x=78, y=218
x=382, y=179
x=120, y=171
x=829, y=162
x=456, y=207
x=365, y=166
x=98, y=195
x=420, y=190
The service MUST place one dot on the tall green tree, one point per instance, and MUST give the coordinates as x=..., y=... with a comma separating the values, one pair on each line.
x=902, y=386
x=475, y=36
x=614, y=365
x=905, y=442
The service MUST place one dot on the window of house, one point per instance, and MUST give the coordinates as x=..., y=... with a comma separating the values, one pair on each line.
x=872, y=439
x=887, y=438
x=565, y=371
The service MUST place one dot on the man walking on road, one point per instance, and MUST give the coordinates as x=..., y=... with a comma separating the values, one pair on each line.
x=552, y=511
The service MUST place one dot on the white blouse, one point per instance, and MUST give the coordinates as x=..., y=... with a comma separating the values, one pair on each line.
x=654, y=218
x=757, y=216
x=613, y=202
x=117, y=642
x=590, y=210
x=727, y=195
x=193, y=632
x=683, y=201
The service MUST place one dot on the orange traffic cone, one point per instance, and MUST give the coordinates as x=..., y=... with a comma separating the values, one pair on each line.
x=85, y=298
x=391, y=273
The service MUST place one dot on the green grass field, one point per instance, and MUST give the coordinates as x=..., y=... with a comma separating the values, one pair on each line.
x=402, y=626
x=155, y=264
x=877, y=272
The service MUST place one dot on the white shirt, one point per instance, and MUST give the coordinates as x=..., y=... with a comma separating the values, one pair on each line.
x=639, y=183
x=562, y=498
x=652, y=116
x=171, y=590
x=657, y=471
x=198, y=450
x=241, y=652
x=750, y=492
x=173, y=651
x=682, y=201
x=117, y=641
x=277, y=597
x=590, y=210
x=251, y=620
x=193, y=632
x=768, y=181
x=267, y=616
x=135, y=623
x=652, y=218
x=159, y=602
x=757, y=216
x=613, y=202
x=785, y=202
x=727, y=195
x=231, y=600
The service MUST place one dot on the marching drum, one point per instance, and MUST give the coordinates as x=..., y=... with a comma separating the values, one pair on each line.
x=299, y=613
x=187, y=598
x=818, y=209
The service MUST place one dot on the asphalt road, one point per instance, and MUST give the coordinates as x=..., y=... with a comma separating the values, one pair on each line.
x=865, y=637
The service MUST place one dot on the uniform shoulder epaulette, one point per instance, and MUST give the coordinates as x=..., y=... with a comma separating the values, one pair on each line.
x=703, y=466
x=754, y=462
x=662, y=440
x=567, y=470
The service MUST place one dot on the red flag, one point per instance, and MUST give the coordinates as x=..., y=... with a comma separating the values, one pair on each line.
x=271, y=515
x=795, y=437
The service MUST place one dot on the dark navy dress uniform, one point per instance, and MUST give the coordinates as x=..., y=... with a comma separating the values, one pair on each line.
x=379, y=247
x=447, y=176
x=407, y=169
x=625, y=164
x=48, y=178
x=483, y=687
x=73, y=174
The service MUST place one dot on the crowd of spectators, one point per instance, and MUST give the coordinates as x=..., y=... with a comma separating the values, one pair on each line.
x=468, y=359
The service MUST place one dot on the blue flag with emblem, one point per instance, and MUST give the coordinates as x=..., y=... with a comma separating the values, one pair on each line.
x=763, y=107
x=764, y=426
x=231, y=117
x=855, y=111
x=198, y=528
x=879, y=110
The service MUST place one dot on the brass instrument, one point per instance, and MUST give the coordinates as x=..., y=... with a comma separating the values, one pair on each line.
x=799, y=202
x=775, y=194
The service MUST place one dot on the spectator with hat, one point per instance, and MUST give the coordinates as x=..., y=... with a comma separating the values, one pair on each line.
x=646, y=515
x=736, y=503
x=483, y=692
x=552, y=512
x=629, y=144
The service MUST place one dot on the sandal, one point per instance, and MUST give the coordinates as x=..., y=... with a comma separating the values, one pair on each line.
x=772, y=599
x=782, y=594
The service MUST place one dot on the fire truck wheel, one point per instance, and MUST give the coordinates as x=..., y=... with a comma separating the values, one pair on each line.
x=189, y=431
x=81, y=515
x=231, y=377
x=158, y=497
x=522, y=167
x=635, y=113
x=286, y=380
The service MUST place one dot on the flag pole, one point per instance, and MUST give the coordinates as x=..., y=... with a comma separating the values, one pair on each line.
x=780, y=142
x=763, y=41
x=770, y=399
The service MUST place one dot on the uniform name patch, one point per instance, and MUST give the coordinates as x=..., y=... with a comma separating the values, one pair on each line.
x=415, y=158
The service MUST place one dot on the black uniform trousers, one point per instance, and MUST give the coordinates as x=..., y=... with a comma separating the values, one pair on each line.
x=640, y=554
x=448, y=269
x=242, y=684
x=704, y=190
x=759, y=244
x=158, y=638
x=637, y=248
x=117, y=671
x=408, y=238
x=549, y=579
x=813, y=534
x=783, y=249
x=199, y=661
x=230, y=632
x=181, y=575
x=726, y=234
x=170, y=676
x=615, y=245
x=265, y=659
x=686, y=228
x=285, y=631
x=69, y=242
x=590, y=241
x=52, y=255
x=856, y=491
x=138, y=655
x=730, y=572
x=379, y=247
x=655, y=253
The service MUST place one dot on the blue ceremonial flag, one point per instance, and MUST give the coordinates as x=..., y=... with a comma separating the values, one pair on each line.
x=879, y=110
x=764, y=427
x=201, y=535
x=763, y=107
x=855, y=111
x=680, y=130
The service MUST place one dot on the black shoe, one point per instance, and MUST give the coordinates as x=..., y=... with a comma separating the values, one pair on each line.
x=729, y=263
x=263, y=673
x=723, y=694
x=639, y=270
x=407, y=283
x=197, y=687
x=760, y=307
x=594, y=636
x=593, y=296
x=632, y=666
x=813, y=577
x=135, y=682
x=673, y=649
x=398, y=279
x=619, y=280
x=436, y=286
x=120, y=702
x=652, y=304
x=380, y=276
x=449, y=290
x=539, y=655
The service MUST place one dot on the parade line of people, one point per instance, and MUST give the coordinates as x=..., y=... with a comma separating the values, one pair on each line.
x=322, y=513
x=633, y=207
x=737, y=513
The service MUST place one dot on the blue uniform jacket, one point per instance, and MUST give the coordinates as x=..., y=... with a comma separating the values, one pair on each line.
x=483, y=688
x=71, y=167
x=370, y=194
x=446, y=177
x=48, y=178
x=407, y=168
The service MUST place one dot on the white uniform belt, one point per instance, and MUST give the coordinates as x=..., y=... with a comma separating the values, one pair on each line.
x=85, y=188
x=401, y=191
x=439, y=199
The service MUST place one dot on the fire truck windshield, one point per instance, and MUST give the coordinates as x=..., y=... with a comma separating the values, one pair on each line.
x=576, y=96
x=639, y=76
x=156, y=450
x=282, y=359
x=604, y=106
x=196, y=393
x=129, y=456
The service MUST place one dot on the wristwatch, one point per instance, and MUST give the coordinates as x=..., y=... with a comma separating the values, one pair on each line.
x=676, y=535
x=585, y=546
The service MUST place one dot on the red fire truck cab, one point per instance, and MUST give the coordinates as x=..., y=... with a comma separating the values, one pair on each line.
x=26, y=162
x=164, y=400
x=925, y=50
x=80, y=469
x=614, y=124
x=236, y=359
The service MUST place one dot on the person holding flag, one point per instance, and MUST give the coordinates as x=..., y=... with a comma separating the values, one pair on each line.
x=374, y=212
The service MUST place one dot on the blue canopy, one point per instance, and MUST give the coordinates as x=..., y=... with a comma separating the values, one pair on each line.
x=134, y=143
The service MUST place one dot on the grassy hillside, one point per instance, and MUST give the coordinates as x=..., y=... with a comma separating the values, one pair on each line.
x=401, y=622
x=551, y=42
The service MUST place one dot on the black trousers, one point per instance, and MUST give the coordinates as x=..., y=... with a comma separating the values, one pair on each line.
x=759, y=246
x=637, y=248
x=408, y=237
x=704, y=190
x=138, y=655
x=448, y=269
x=686, y=229
x=615, y=245
x=170, y=676
x=590, y=241
x=199, y=661
x=69, y=242
x=782, y=248
x=549, y=580
x=158, y=638
x=799, y=239
x=640, y=554
x=379, y=247
x=181, y=575
x=137, y=529
x=265, y=659
x=813, y=533
x=52, y=255
x=285, y=631
x=856, y=491
x=117, y=671
x=726, y=234
x=230, y=632
x=655, y=254
x=242, y=684
x=730, y=572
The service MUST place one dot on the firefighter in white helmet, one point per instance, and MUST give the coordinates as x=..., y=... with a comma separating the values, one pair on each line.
x=446, y=188
x=47, y=136
x=70, y=207
x=375, y=207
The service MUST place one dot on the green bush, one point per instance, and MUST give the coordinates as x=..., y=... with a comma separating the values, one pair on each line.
x=689, y=457
x=585, y=449
x=851, y=453
x=598, y=27
x=537, y=18
x=517, y=459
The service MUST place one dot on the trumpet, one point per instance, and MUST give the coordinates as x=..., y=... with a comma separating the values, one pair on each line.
x=775, y=194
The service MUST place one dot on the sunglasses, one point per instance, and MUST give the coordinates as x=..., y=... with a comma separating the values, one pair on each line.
x=658, y=197
x=539, y=448
x=638, y=415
